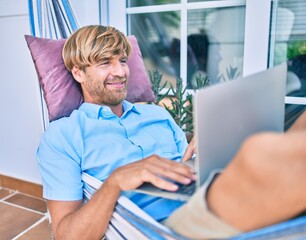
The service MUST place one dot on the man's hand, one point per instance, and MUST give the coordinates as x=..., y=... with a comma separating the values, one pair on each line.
x=190, y=150
x=153, y=169
x=70, y=219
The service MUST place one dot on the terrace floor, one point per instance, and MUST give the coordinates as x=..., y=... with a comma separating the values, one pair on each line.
x=23, y=216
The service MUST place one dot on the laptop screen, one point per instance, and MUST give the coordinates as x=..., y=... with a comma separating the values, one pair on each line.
x=226, y=114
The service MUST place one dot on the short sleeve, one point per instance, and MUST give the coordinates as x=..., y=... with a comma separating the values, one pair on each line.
x=60, y=168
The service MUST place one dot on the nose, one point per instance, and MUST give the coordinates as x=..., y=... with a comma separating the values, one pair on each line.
x=118, y=69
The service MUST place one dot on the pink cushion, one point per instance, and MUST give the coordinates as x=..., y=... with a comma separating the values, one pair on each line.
x=62, y=93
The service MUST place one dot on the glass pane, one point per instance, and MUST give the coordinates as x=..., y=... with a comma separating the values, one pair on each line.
x=216, y=43
x=201, y=0
x=288, y=42
x=158, y=37
x=292, y=112
x=138, y=3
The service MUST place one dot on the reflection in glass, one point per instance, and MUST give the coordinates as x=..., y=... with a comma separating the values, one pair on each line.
x=292, y=112
x=138, y=3
x=288, y=42
x=215, y=44
x=201, y=0
x=158, y=37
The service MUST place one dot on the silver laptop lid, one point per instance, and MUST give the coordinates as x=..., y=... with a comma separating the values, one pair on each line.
x=226, y=114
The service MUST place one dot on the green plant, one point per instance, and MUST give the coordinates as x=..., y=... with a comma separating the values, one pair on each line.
x=180, y=109
x=296, y=48
x=232, y=73
x=157, y=86
x=181, y=106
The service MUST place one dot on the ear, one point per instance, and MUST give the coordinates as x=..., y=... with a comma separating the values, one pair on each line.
x=77, y=73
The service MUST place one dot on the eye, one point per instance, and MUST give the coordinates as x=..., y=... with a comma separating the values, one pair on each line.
x=106, y=62
x=123, y=60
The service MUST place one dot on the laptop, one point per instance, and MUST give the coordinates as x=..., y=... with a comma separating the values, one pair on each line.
x=225, y=115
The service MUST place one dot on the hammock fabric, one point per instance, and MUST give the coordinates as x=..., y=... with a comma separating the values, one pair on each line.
x=51, y=18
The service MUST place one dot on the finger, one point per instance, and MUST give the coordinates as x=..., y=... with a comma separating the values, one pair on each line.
x=188, y=154
x=190, y=150
x=159, y=182
x=182, y=168
x=176, y=172
x=169, y=164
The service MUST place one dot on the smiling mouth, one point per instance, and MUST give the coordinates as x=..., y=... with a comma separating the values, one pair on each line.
x=120, y=84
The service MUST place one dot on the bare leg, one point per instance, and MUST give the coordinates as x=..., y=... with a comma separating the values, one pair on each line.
x=264, y=184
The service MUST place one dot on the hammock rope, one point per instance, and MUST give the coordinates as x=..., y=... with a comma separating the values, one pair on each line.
x=52, y=18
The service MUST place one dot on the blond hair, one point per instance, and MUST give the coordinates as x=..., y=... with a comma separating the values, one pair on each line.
x=92, y=44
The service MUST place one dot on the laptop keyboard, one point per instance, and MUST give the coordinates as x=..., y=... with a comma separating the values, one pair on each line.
x=186, y=189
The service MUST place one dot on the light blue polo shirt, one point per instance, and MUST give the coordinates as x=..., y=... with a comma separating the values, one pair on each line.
x=96, y=141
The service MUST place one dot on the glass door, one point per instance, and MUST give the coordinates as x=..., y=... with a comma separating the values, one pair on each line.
x=288, y=44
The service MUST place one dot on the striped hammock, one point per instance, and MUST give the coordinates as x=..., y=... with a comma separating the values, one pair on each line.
x=51, y=18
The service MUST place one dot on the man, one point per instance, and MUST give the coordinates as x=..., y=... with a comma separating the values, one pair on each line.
x=125, y=145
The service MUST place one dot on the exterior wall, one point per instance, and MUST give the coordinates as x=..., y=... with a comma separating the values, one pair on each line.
x=21, y=122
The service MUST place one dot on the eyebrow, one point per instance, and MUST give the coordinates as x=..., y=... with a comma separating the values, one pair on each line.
x=110, y=58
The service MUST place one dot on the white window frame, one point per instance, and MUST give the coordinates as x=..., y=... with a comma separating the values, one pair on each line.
x=257, y=30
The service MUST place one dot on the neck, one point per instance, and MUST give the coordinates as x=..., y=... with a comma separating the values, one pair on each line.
x=117, y=110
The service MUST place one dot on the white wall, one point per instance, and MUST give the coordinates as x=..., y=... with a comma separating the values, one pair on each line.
x=21, y=121
x=87, y=12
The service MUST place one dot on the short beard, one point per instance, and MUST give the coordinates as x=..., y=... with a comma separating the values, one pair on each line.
x=113, y=99
x=101, y=95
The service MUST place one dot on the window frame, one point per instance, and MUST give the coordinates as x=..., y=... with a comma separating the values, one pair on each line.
x=257, y=30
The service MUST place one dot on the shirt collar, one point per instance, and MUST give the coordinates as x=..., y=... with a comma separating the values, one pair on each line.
x=127, y=106
x=96, y=111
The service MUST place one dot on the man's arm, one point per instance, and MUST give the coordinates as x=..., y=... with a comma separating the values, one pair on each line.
x=71, y=220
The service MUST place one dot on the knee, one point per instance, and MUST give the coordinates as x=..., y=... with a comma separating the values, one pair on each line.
x=255, y=156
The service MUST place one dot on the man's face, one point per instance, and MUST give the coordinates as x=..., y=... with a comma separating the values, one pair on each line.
x=106, y=82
